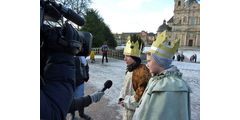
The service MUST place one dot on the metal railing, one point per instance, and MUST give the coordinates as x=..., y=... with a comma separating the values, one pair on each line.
x=118, y=54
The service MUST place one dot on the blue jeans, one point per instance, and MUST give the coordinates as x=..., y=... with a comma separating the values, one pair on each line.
x=79, y=92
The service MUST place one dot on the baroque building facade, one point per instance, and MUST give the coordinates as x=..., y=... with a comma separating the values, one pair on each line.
x=184, y=24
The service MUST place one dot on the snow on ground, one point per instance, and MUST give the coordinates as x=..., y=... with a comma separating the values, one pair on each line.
x=191, y=74
x=186, y=53
x=115, y=70
x=189, y=53
x=120, y=47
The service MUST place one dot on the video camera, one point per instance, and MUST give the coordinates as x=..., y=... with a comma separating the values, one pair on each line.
x=51, y=11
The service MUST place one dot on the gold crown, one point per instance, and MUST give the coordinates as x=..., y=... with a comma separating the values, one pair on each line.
x=133, y=48
x=160, y=46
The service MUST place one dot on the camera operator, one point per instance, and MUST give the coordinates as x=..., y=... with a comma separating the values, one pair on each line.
x=58, y=77
x=58, y=68
x=57, y=73
x=58, y=46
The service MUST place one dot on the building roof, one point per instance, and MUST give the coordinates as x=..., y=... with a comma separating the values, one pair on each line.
x=170, y=20
x=163, y=27
x=189, y=2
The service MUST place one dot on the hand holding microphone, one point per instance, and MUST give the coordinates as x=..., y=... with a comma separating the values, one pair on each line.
x=95, y=97
x=98, y=95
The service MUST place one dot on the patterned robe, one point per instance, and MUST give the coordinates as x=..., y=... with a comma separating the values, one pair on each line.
x=134, y=86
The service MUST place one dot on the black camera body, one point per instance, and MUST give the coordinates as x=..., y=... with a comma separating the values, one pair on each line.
x=51, y=11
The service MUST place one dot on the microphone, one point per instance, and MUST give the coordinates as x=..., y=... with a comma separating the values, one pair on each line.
x=107, y=85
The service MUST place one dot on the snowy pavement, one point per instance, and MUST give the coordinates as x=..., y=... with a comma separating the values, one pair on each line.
x=186, y=53
x=115, y=70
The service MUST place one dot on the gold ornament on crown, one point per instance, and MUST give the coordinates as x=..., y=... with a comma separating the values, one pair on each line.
x=132, y=48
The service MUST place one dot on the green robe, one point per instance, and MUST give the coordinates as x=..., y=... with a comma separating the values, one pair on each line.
x=167, y=97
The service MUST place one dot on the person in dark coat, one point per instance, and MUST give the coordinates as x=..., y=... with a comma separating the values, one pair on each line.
x=195, y=58
x=57, y=74
x=178, y=57
x=182, y=57
x=192, y=58
x=173, y=57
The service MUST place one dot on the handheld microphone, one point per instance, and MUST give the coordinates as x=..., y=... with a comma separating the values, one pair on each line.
x=107, y=85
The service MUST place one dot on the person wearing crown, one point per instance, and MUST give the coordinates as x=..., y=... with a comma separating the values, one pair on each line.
x=136, y=78
x=167, y=95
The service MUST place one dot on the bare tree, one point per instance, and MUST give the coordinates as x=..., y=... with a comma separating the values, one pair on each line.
x=79, y=6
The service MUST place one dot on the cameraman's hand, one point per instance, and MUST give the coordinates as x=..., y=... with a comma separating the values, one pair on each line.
x=96, y=96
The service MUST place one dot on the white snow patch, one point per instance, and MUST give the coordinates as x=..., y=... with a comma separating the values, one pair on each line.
x=119, y=47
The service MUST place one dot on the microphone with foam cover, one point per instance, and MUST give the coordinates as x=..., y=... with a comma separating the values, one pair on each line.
x=107, y=85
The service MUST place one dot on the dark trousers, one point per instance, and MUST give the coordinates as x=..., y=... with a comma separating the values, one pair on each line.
x=104, y=55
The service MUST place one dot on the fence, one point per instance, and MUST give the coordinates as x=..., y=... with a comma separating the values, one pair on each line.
x=118, y=54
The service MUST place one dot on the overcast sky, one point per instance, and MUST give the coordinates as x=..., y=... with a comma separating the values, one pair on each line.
x=134, y=15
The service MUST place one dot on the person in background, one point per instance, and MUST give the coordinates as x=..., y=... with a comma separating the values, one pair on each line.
x=104, y=52
x=92, y=56
x=192, y=58
x=178, y=57
x=182, y=57
x=195, y=58
x=173, y=57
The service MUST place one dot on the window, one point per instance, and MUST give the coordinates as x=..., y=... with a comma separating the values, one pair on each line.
x=179, y=3
x=194, y=6
x=184, y=19
x=193, y=21
x=190, y=42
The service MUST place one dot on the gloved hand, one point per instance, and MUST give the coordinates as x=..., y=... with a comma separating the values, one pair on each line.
x=96, y=96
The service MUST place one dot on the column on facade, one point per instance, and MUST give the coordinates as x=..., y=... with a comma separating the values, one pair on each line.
x=185, y=41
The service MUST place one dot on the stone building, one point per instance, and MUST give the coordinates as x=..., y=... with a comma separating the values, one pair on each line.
x=147, y=38
x=184, y=24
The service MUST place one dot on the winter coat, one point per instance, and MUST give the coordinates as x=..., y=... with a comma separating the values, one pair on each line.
x=167, y=97
x=92, y=55
x=182, y=57
x=178, y=57
x=56, y=94
x=104, y=49
x=134, y=86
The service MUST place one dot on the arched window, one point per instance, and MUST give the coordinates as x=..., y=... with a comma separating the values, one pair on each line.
x=179, y=3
